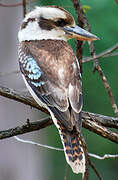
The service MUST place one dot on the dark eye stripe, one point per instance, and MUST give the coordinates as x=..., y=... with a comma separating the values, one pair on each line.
x=45, y=24
x=60, y=22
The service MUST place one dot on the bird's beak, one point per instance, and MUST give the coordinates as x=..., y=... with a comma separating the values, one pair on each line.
x=79, y=34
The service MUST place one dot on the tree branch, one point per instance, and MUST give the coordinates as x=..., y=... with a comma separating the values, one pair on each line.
x=79, y=53
x=105, y=53
x=95, y=170
x=97, y=68
x=10, y=5
x=14, y=95
x=14, y=5
x=24, y=7
x=80, y=22
x=100, y=130
x=94, y=122
x=25, y=128
x=91, y=121
x=96, y=62
x=106, y=121
x=108, y=89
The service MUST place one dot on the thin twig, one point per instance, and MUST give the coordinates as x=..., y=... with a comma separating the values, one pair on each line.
x=86, y=174
x=10, y=5
x=91, y=45
x=24, y=7
x=66, y=172
x=13, y=5
x=95, y=170
x=102, y=75
x=106, y=156
x=108, y=89
x=84, y=20
x=111, y=55
x=105, y=53
x=99, y=70
x=37, y=144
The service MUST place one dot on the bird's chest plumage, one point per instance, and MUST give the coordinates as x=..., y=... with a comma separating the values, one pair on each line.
x=55, y=58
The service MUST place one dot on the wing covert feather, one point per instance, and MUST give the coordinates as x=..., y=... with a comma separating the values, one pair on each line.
x=40, y=68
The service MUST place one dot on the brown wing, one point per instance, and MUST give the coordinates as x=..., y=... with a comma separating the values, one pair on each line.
x=60, y=90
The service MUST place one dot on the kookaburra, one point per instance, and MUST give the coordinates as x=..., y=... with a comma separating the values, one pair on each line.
x=51, y=72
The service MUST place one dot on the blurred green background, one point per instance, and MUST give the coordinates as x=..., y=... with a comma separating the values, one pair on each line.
x=103, y=19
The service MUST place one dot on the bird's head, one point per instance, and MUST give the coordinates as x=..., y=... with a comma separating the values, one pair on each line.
x=51, y=22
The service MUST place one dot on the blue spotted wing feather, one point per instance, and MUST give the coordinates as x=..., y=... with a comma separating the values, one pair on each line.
x=40, y=69
x=43, y=88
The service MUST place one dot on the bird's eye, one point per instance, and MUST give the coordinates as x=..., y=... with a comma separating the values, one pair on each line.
x=60, y=22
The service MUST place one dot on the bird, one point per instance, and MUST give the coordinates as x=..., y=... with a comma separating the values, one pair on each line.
x=51, y=72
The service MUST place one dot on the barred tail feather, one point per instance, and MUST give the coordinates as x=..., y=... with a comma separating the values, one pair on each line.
x=73, y=149
x=72, y=144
